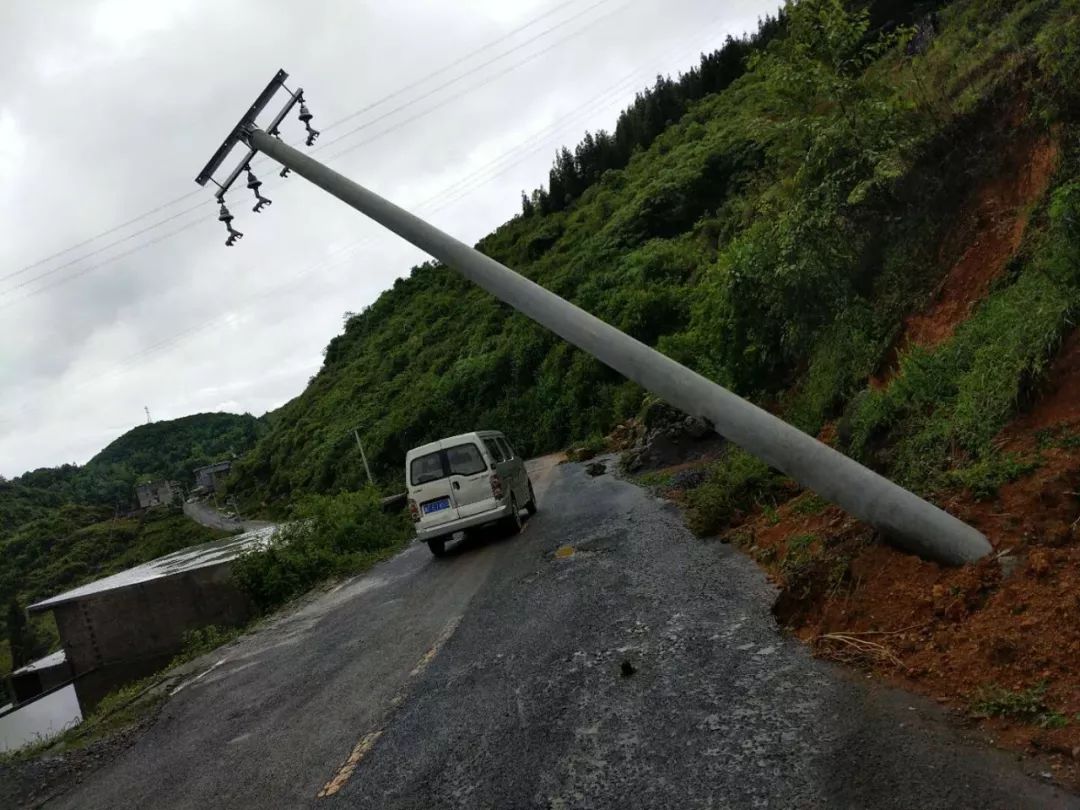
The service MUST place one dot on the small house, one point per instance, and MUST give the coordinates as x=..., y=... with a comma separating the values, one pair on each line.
x=212, y=476
x=157, y=493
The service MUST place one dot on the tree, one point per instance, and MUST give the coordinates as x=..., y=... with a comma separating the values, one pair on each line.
x=646, y=117
x=23, y=641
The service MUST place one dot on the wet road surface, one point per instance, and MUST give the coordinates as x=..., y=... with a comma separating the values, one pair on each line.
x=495, y=678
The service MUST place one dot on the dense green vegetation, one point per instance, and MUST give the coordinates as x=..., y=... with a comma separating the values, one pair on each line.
x=773, y=238
x=328, y=536
x=642, y=122
x=934, y=426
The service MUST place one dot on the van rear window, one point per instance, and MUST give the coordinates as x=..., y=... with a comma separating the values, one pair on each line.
x=427, y=468
x=461, y=459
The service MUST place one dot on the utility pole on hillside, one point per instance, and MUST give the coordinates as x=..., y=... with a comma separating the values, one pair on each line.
x=367, y=469
x=900, y=515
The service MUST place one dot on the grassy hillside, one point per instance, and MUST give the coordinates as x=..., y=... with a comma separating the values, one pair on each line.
x=774, y=238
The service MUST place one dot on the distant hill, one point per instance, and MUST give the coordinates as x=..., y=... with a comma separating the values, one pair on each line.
x=168, y=449
x=174, y=448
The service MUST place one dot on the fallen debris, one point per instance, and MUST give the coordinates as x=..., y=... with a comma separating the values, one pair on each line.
x=664, y=436
x=596, y=468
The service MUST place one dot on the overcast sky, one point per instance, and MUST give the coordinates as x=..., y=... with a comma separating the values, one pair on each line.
x=108, y=109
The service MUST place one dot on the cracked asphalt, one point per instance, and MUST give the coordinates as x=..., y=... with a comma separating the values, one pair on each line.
x=495, y=678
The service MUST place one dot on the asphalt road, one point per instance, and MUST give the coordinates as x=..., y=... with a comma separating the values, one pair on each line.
x=206, y=515
x=494, y=678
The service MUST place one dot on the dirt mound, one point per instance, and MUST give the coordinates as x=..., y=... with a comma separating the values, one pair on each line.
x=665, y=436
x=985, y=240
x=997, y=642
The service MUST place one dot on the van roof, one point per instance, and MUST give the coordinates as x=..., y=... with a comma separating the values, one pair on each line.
x=450, y=441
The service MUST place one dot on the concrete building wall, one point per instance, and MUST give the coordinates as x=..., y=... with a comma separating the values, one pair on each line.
x=158, y=493
x=213, y=476
x=118, y=636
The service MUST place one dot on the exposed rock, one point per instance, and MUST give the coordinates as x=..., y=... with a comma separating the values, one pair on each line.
x=925, y=34
x=1009, y=564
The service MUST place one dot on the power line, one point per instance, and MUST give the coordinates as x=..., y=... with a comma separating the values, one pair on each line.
x=450, y=194
x=469, y=72
x=108, y=261
x=364, y=142
x=455, y=63
x=382, y=133
x=460, y=60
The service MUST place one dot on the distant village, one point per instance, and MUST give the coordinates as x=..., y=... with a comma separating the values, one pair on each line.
x=208, y=480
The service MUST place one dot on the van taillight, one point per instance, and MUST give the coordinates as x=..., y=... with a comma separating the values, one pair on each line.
x=496, y=487
x=414, y=510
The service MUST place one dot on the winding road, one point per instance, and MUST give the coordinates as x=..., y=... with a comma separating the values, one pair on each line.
x=603, y=658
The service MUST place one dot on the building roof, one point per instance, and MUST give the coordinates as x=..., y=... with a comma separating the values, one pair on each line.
x=217, y=465
x=53, y=660
x=188, y=559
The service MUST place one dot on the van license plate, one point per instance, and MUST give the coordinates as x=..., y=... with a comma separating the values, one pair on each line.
x=436, y=506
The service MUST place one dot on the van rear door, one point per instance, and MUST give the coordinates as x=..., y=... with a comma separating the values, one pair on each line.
x=470, y=478
x=429, y=486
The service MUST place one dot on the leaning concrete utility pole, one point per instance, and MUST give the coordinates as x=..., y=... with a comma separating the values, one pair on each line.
x=903, y=517
x=363, y=457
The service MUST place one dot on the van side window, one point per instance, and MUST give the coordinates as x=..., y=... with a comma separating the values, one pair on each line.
x=508, y=451
x=496, y=452
x=465, y=459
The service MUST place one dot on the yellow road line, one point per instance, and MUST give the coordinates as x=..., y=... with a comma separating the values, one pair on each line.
x=346, y=770
x=429, y=656
x=367, y=742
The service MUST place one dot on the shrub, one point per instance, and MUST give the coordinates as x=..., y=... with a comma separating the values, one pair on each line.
x=735, y=484
x=1028, y=705
x=329, y=535
x=985, y=477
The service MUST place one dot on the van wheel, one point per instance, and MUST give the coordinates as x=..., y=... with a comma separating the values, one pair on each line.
x=437, y=546
x=512, y=524
x=530, y=507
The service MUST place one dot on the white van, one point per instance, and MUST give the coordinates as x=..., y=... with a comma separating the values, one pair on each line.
x=464, y=482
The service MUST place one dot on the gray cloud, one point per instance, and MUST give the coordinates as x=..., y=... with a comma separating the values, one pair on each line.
x=109, y=108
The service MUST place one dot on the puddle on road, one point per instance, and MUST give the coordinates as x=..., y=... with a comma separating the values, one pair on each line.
x=43, y=718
